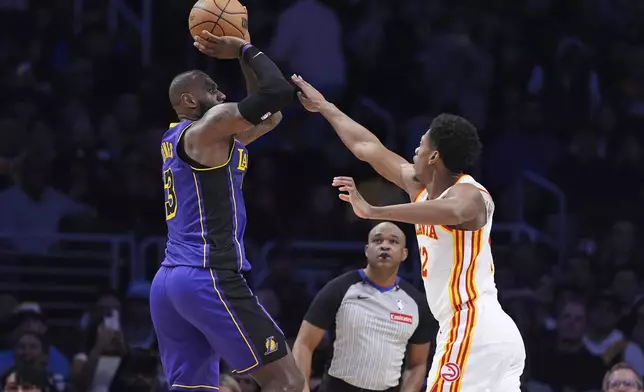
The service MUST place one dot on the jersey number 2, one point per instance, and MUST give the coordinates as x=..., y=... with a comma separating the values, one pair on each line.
x=424, y=257
x=171, y=195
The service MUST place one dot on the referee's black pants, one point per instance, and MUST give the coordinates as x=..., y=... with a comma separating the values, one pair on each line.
x=332, y=384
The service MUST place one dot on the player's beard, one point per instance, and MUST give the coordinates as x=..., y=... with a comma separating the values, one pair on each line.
x=203, y=107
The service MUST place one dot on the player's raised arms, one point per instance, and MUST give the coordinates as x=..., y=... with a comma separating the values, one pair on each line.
x=273, y=93
x=362, y=143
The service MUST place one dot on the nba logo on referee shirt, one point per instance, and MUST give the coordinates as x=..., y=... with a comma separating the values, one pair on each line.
x=271, y=345
x=400, y=304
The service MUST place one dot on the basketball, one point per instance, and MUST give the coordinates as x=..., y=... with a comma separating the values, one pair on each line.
x=220, y=17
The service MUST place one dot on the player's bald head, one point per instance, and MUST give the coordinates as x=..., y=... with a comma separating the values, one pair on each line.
x=185, y=82
x=387, y=228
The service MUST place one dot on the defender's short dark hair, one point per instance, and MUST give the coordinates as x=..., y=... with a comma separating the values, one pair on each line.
x=457, y=141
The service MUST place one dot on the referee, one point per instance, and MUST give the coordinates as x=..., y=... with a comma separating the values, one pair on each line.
x=374, y=318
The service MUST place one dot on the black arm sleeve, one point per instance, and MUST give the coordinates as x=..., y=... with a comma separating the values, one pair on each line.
x=274, y=92
x=426, y=323
x=326, y=303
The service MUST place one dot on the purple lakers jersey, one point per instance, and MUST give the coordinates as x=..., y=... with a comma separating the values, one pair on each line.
x=204, y=207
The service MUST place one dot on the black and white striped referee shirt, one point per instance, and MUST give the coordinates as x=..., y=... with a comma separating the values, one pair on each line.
x=371, y=327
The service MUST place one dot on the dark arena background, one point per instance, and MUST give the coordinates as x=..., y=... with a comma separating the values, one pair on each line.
x=555, y=88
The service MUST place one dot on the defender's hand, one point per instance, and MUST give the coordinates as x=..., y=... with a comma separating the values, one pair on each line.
x=360, y=207
x=223, y=48
x=311, y=98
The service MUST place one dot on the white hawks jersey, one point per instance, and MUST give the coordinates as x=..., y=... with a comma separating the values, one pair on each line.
x=456, y=265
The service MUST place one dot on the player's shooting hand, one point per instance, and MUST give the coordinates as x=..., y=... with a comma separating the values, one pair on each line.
x=223, y=48
x=311, y=98
x=360, y=207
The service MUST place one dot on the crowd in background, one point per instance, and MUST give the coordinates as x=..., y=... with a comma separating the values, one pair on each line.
x=555, y=88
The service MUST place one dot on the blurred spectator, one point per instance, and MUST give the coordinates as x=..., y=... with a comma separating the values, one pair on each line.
x=619, y=246
x=308, y=40
x=28, y=318
x=580, y=275
x=605, y=340
x=33, y=207
x=94, y=367
x=137, y=372
x=111, y=140
x=634, y=325
x=127, y=112
x=626, y=286
x=572, y=86
x=31, y=351
x=552, y=359
x=520, y=146
x=106, y=303
x=622, y=378
x=292, y=295
x=528, y=384
x=8, y=304
x=521, y=306
x=137, y=323
x=457, y=72
x=78, y=79
x=25, y=379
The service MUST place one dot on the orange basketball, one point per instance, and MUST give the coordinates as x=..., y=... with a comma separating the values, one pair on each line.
x=220, y=17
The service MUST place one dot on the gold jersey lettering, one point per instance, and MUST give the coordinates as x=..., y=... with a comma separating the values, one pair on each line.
x=243, y=160
x=167, y=151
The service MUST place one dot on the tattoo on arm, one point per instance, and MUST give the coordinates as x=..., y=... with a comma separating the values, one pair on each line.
x=260, y=130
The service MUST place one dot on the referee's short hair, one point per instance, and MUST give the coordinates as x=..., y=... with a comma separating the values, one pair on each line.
x=621, y=366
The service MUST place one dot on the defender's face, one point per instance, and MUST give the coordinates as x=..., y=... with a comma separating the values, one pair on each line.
x=386, y=246
x=424, y=156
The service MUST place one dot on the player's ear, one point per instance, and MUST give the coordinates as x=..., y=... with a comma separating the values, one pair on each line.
x=433, y=158
x=188, y=100
x=405, y=254
x=366, y=248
